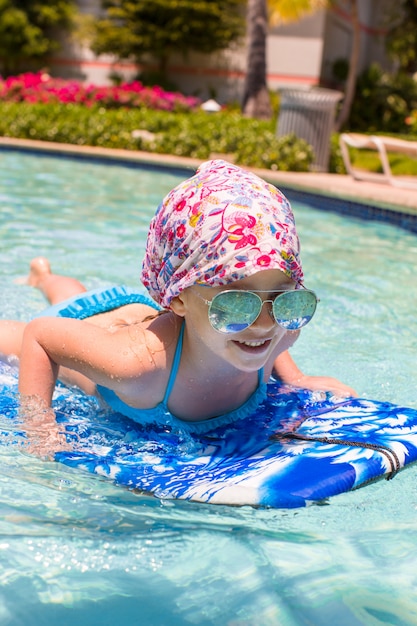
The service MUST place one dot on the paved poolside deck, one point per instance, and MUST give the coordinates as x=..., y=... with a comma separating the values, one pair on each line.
x=333, y=185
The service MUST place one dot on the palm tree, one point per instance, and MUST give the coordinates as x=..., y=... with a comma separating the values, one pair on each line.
x=256, y=101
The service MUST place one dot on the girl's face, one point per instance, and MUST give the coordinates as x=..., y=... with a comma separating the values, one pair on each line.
x=249, y=349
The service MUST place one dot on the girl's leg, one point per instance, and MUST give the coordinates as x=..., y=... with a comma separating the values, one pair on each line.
x=54, y=287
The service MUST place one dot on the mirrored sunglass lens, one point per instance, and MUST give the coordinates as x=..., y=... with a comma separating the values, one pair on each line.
x=294, y=309
x=233, y=311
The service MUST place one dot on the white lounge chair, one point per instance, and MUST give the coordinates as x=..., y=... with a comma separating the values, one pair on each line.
x=382, y=145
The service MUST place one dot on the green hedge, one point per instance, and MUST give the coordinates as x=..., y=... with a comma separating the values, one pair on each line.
x=384, y=103
x=198, y=134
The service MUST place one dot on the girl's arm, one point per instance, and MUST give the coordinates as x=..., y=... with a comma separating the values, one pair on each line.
x=113, y=359
x=289, y=373
x=37, y=371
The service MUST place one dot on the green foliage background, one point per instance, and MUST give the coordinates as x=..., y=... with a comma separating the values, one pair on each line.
x=247, y=141
x=160, y=28
x=29, y=30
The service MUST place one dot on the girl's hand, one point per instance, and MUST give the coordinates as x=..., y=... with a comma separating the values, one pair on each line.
x=44, y=435
x=288, y=372
x=324, y=383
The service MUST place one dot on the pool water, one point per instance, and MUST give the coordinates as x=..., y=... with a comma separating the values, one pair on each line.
x=74, y=548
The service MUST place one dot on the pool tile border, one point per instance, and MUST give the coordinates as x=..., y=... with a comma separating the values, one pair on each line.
x=359, y=209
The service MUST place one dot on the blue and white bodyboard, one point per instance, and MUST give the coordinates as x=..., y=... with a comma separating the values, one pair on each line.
x=296, y=449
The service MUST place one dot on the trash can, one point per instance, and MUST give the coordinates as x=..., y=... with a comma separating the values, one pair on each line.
x=310, y=114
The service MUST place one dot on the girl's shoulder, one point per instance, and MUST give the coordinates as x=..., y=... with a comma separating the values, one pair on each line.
x=150, y=342
x=141, y=356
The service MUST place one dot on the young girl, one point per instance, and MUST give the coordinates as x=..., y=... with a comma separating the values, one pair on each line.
x=222, y=266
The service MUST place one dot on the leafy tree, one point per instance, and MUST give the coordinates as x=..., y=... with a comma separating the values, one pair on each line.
x=384, y=102
x=401, y=39
x=138, y=28
x=29, y=30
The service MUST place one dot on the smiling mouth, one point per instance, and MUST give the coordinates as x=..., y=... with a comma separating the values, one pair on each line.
x=254, y=345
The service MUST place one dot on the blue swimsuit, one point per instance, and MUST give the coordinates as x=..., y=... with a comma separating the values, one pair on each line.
x=101, y=300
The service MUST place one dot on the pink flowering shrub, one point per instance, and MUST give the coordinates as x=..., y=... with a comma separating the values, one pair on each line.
x=41, y=88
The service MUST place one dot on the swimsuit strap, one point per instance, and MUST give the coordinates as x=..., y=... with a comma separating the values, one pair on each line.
x=175, y=365
x=260, y=376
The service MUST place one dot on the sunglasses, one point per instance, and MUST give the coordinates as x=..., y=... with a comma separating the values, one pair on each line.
x=234, y=310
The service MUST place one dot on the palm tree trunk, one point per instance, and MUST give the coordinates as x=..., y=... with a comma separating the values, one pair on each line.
x=353, y=68
x=256, y=101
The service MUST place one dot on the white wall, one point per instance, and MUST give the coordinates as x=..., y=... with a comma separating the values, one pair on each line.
x=295, y=53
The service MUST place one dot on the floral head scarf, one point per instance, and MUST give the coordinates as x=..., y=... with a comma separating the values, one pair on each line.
x=219, y=226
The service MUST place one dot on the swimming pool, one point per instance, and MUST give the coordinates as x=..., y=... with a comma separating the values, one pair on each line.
x=75, y=548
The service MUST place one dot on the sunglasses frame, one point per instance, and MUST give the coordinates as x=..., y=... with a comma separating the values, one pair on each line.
x=279, y=293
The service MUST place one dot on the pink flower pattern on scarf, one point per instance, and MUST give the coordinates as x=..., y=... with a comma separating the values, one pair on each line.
x=221, y=225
